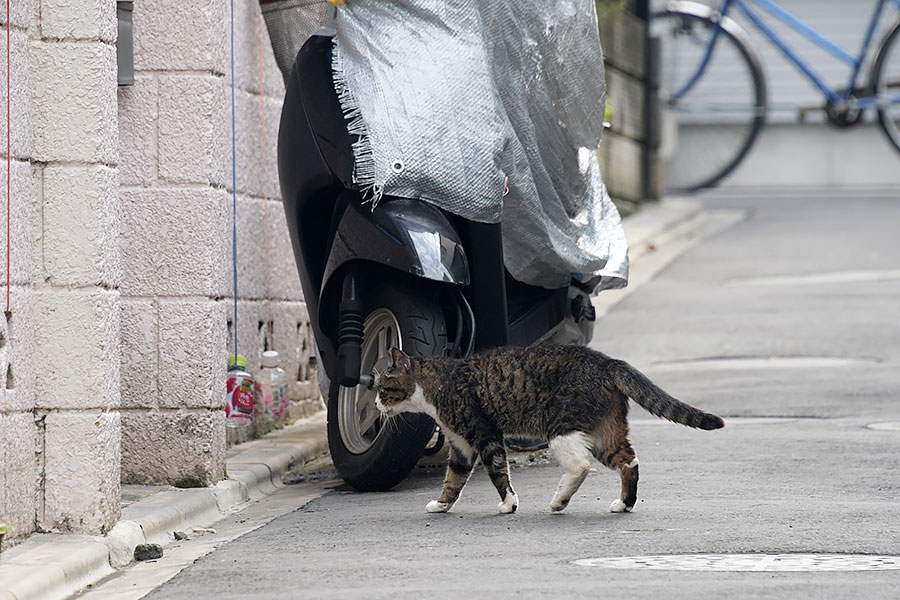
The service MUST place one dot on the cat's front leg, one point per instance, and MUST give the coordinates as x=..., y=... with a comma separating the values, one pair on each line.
x=458, y=470
x=493, y=456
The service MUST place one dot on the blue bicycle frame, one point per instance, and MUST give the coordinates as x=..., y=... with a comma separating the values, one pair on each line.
x=855, y=62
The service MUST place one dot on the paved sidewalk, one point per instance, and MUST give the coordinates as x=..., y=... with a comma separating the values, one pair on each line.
x=49, y=566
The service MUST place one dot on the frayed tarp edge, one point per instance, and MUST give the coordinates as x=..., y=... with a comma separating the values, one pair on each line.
x=363, y=153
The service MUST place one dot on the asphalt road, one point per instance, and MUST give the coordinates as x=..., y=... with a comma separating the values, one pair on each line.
x=787, y=324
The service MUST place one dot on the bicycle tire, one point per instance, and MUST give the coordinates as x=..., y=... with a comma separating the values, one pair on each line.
x=712, y=137
x=884, y=79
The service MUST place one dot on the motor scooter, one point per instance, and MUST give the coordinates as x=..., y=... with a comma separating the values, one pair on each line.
x=404, y=274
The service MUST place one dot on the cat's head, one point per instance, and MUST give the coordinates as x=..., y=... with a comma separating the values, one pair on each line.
x=396, y=385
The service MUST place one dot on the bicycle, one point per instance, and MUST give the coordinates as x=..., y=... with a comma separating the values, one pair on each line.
x=713, y=113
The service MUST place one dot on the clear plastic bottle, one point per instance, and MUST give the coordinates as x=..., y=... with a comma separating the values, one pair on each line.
x=239, y=390
x=273, y=385
x=265, y=402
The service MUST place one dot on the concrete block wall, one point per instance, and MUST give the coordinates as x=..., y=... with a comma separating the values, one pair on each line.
x=271, y=312
x=76, y=297
x=59, y=337
x=271, y=296
x=21, y=467
x=175, y=210
x=113, y=347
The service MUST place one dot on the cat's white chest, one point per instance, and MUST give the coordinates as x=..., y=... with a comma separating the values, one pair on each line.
x=421, y=404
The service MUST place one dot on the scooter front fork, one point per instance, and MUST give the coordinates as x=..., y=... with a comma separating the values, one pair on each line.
x=350, y=331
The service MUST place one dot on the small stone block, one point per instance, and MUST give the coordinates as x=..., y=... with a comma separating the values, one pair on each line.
x=147, y=552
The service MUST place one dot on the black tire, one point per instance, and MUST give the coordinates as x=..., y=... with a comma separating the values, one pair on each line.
x=884, y=80
x=718, y=119
x=382, y=455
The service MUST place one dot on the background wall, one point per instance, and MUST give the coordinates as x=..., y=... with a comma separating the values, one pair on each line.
x=176, y=207
x=114, y=347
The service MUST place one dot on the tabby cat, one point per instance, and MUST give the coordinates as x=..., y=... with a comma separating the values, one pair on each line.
x=572, y=396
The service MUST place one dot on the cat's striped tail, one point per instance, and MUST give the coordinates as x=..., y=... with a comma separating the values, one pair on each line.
x=636, y=386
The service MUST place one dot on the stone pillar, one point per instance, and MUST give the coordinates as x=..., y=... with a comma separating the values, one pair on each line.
x=75, y=296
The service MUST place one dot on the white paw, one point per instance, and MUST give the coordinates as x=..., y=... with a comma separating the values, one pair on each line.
x=437, y=507
x=509, y=505
x=618, y=506
x=557, y=505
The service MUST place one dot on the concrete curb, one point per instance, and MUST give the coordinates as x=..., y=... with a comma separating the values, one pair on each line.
x=51, y=566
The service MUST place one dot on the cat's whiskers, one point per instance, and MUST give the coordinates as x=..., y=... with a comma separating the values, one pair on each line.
x=391, y=421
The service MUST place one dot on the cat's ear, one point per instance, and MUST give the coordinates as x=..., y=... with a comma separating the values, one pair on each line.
x=401, y=360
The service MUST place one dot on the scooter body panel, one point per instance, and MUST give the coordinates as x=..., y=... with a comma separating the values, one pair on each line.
x=312, y=139
x=407, y=235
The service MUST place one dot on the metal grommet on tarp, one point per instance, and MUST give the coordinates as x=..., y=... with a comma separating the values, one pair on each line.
x=397, y=166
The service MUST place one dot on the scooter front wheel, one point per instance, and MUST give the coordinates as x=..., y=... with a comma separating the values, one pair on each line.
x=372, y=452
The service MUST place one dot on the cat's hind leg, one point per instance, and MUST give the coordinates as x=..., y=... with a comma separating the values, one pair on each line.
x=459, y=467
x=617, y=454
x=572, y=450
x=629, y=473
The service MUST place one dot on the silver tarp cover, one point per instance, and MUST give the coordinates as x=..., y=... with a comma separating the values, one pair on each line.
x=492, y=110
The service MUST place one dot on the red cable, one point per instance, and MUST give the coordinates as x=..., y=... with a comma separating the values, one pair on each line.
x=8, y=158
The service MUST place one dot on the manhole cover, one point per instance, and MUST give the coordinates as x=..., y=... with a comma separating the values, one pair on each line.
x=888, y=426
x=747, y=562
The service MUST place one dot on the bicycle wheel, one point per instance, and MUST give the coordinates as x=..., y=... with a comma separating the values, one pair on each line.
x=711, y=114
x=885, y=84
